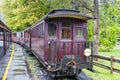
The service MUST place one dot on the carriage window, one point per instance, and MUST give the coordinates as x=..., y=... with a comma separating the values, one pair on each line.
x=1, y=33
x=65, y=33
x=51, y=29
x=66, y=30
x=79, y=33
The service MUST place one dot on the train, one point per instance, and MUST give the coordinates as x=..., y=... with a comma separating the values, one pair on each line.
x=59, y=42
x=5, y=38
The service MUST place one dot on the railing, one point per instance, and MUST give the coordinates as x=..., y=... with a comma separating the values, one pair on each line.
x=111, y=59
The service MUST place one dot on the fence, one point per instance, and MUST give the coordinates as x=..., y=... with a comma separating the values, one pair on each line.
x=112, y=61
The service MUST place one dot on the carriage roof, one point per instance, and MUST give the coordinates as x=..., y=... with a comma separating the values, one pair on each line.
x=4, y=26
x=66, y=13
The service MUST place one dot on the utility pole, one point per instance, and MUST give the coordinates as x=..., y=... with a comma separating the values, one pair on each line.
x=96, y=27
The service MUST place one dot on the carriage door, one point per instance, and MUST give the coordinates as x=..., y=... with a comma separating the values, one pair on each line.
x=52, y=41
x=65, y=44
x=79, y=38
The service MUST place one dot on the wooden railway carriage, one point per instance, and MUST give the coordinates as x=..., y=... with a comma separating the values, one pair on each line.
x=5, y=38
x=59, y=41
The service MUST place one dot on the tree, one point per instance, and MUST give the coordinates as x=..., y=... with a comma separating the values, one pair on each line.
x=20, y=14
x=109, y=22
x=96, y=27
x=110, y=25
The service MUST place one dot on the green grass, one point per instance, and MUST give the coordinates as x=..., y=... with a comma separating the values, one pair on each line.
x=115, y=52
x=103, y=74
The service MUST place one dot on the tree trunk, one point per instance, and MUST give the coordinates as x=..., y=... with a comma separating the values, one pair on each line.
x=75, y=5
x=96, y=27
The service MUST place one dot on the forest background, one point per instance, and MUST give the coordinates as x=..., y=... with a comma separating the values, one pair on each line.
x=21, y=14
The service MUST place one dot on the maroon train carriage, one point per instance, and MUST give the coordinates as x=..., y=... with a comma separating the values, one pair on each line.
x=59, y=41
x=5, y=38
x=18, y=37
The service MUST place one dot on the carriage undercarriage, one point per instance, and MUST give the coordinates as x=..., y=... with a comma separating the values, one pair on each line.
x=68, y=64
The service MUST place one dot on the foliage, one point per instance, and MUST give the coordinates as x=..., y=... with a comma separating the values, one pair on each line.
x=21, y=14
x=90, y=30
x=109, y=26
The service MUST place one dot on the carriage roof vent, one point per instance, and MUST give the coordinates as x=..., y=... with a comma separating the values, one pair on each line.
x=63, y=10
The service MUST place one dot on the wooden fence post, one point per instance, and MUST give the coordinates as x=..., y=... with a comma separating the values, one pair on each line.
x=111, y=63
